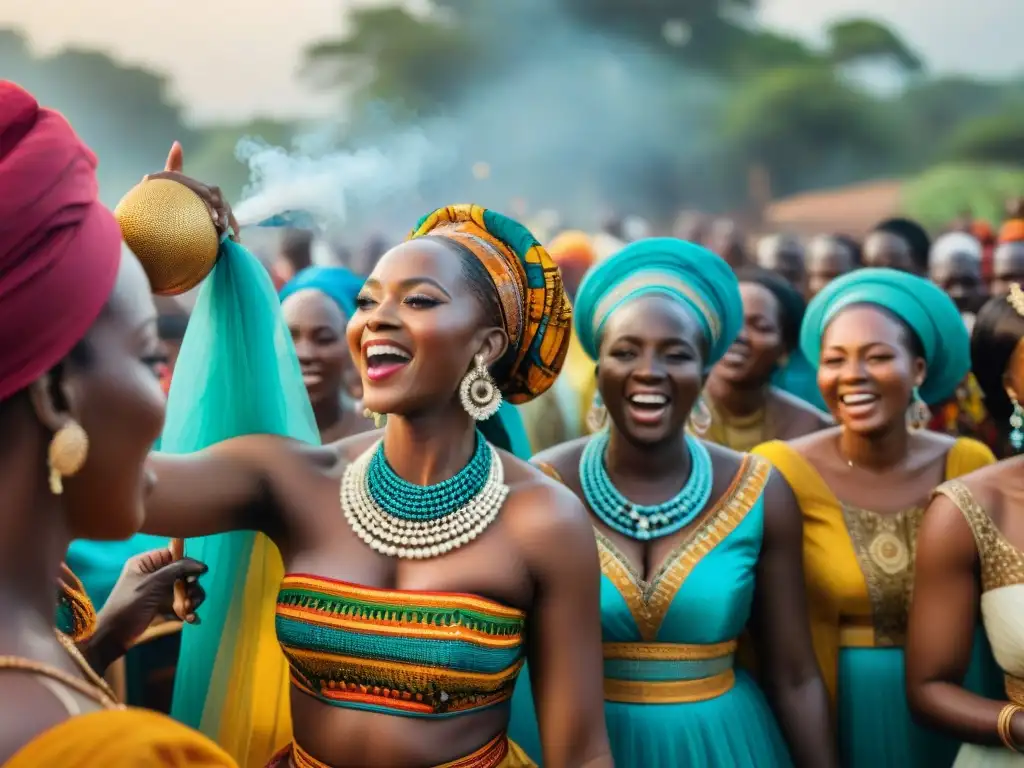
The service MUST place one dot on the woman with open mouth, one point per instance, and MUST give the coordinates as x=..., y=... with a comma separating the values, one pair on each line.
x=885, y=342
x=696, y=541
x=423, y=566
x=970, y=560
x=746, y=409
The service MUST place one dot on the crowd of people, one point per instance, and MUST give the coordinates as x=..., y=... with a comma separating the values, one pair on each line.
x=616, y=499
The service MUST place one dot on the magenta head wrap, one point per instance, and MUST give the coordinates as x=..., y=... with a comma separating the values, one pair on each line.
x=59, y=246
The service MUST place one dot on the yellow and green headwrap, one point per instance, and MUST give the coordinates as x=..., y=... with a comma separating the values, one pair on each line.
x=535, y=311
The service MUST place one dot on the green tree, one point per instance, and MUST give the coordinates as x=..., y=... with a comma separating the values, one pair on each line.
x=941, y=194
x=412, y=63
x=855, y=40
x=806, y=127
x=123, y=113
x=996, y=139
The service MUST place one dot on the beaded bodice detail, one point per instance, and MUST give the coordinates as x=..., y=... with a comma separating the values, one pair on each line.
x=418, y=654
x=1002, y=564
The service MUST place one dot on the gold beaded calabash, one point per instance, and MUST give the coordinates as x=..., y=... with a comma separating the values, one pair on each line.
x=168, y=227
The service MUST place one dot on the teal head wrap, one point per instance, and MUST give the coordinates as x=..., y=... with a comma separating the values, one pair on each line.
x=668, y=267
x=922, y=305
x=340, y=285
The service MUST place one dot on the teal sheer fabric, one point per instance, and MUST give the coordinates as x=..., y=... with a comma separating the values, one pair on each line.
x=236, y=374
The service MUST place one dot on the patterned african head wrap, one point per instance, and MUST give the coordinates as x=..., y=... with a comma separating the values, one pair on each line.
x=922, y=305
x=535, y=311
x=662, y=265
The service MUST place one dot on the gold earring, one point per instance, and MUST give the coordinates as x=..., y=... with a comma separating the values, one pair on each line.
x=66, y=455
x=379, y=419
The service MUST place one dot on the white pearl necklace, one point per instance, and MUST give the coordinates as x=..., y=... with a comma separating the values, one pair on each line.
x=415, y=539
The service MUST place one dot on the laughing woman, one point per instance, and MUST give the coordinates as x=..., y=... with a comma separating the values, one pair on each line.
x=884, y=342
x=686, y=569
x=410, y=605
x=745, y=409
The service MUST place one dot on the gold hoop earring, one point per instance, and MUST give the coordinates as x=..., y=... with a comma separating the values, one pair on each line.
x=379, y=419
x=700, y=417
x=597, y=416
x=66, y=455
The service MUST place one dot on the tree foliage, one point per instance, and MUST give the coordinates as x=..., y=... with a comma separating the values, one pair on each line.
x=123, y=112
x=858, y=39
x=993, y=139
x=941, y=194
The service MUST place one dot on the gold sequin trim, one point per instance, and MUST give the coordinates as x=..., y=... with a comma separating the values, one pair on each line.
x=1014, y=689
x=674, y=692
x=668, y=651
x=649, y=602
x=1002, y=564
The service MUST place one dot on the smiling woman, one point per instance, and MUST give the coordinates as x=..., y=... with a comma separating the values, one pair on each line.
x=746, y=409
x=695, y=540
x=884, y=341
x=448, y=561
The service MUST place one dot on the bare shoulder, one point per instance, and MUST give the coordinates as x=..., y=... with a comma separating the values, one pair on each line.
x=564, y=457
x=931, y=446
x=799, y=416
x=37, y=711
x=810, y=445
x=541, y=513
x=351, y=448
x=987, y=488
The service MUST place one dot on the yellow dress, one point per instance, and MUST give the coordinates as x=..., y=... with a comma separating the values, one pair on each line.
x=859, y=570
x=128, y=738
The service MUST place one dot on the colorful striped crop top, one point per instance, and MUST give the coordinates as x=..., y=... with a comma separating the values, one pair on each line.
x=419, y=654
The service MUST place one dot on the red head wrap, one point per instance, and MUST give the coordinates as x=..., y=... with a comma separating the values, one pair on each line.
x=59, y=246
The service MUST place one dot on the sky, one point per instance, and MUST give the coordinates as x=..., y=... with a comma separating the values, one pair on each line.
x=236, y=59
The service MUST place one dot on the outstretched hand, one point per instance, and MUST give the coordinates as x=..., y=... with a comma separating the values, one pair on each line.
x=145, y=590
x=220, y=209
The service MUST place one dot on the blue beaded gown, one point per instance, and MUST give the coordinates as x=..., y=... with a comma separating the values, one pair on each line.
x=673, y=696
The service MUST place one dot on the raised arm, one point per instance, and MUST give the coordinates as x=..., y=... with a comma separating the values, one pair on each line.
x=943, y=616
x=565, y=659
x=226, y=487
x=782, y=633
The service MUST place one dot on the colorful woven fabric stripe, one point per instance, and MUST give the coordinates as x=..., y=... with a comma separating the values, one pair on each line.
x=535, y=308
x=421, y=654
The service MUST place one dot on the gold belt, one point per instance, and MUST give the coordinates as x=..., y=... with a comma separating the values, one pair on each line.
x=667, y=673
x=857, y=634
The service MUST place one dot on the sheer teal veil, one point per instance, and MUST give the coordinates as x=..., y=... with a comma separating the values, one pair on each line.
x=236, y=374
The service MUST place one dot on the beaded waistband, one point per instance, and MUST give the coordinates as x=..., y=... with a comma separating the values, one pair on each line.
x=667, y=673
x=420, y=654
x=490, y=755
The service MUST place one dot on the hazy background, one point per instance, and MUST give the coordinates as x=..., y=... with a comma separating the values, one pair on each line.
x=584, y=106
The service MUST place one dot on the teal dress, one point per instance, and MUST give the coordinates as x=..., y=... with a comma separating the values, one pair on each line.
x=673, y=696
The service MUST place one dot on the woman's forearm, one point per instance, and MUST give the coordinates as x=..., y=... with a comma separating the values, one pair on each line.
x=953, y=710
x=803, y=713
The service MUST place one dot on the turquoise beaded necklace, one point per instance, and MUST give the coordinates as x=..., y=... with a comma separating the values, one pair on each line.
x=409, y=501
x=636, y=520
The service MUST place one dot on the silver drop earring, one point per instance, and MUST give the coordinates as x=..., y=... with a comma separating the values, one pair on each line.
x=480, y=396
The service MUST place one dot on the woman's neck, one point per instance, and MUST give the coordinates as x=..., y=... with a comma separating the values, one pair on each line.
x=328, y=412
x=878, y=451
x=429, y=448
x=736, y=400
x=33, y=543
x=648, y=462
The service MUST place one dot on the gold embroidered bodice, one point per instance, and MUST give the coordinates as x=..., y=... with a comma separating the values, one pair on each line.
x=885, y=545
x=1002, y=564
